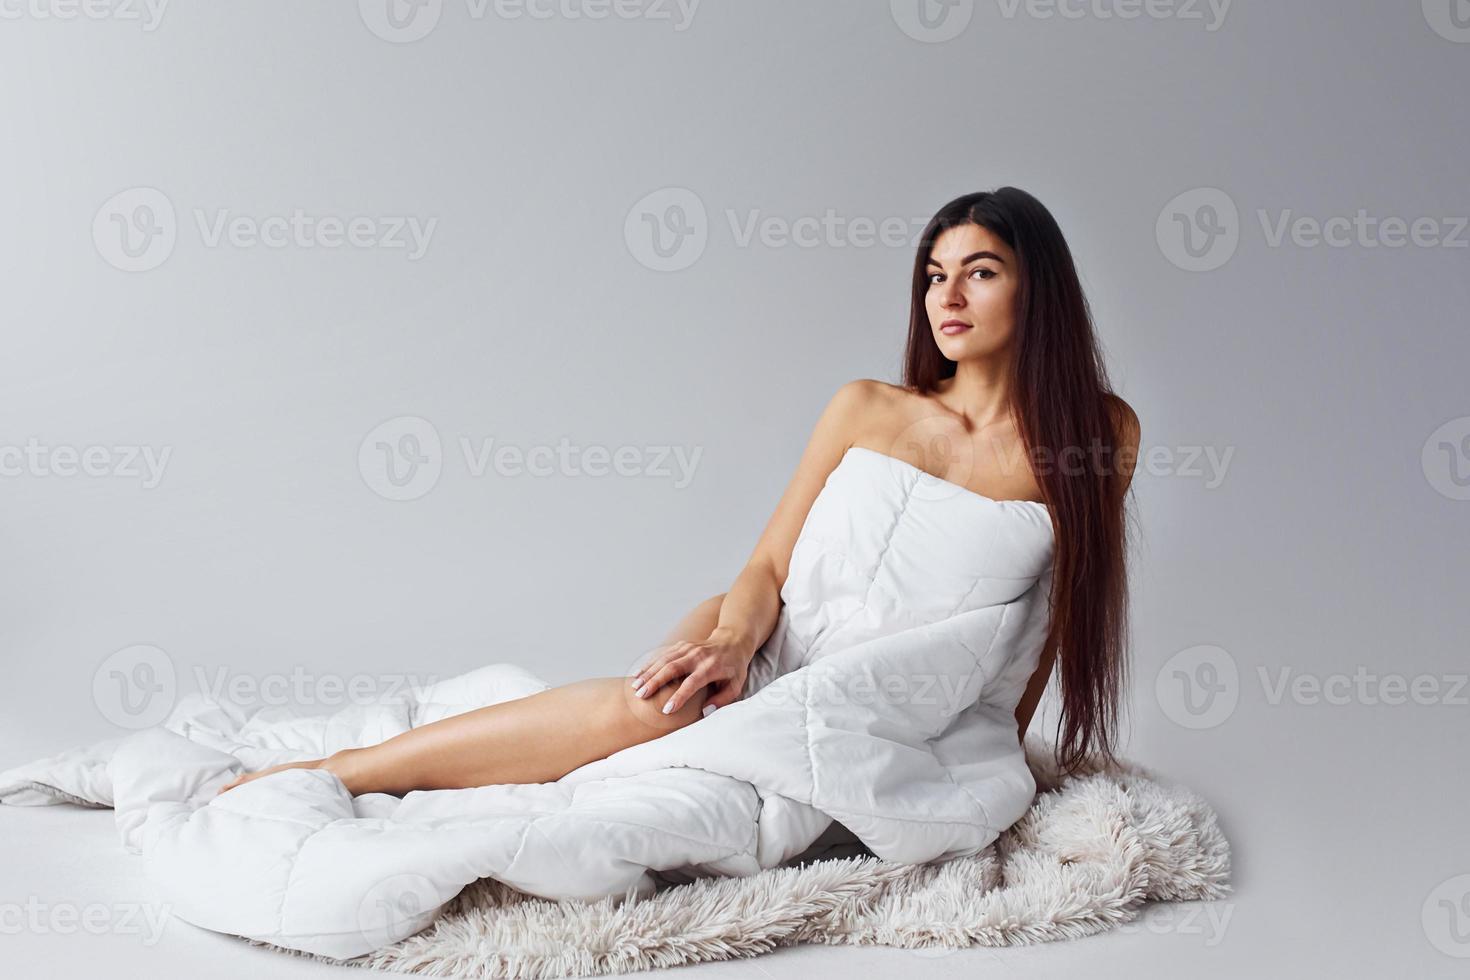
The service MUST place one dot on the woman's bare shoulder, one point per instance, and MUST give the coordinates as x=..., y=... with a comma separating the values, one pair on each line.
x=871, y=389
x=884, y=396
x=870, y=408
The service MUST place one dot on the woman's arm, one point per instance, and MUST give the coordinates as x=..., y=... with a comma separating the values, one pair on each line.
x=698, y=622
x=752, y=606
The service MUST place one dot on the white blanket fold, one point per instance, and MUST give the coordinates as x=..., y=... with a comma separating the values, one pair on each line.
x=912, y=618
x=295, y=860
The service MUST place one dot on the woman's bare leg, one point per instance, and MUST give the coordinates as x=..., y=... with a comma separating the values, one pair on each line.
x=535, y=739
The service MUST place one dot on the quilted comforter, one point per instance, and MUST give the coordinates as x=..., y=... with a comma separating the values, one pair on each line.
x=913, y=615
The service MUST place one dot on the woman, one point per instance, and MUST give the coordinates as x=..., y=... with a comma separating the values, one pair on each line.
x=1002, y=368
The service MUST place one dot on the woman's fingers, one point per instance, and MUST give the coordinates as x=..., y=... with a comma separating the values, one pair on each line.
x=654, y=665
x=696, y=680
x=672, y=670
x=725, y=693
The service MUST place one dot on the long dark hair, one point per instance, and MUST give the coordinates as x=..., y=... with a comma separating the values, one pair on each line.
x=1060, y=398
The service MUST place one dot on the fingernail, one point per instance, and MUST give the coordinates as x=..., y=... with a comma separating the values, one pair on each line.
x=704, y=712
x=641, y=692
x=633, y=682
x=668, y=706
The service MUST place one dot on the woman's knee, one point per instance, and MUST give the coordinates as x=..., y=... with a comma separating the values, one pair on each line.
x=644, y=718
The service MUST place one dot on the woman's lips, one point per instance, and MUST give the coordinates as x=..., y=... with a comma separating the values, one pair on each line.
x=950, y=329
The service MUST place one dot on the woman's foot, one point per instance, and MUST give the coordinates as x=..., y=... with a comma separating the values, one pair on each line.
x=247, y=777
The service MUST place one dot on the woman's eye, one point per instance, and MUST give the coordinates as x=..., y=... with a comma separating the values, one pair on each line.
x=985, y=274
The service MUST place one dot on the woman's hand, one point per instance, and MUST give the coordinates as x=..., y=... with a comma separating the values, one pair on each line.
x=720, y=660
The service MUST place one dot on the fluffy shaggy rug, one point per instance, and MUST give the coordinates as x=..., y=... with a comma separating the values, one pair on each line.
x=1087, y=856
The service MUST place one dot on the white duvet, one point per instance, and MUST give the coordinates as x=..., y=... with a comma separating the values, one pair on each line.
x=913, y=615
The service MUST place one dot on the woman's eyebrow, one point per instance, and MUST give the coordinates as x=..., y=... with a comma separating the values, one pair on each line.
x=971, y=258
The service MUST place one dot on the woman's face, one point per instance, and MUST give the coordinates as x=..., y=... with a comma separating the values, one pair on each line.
x=972, y=292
